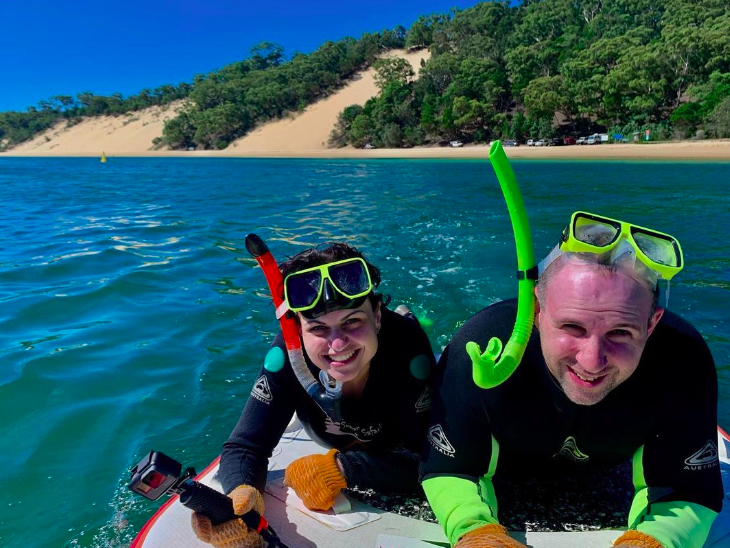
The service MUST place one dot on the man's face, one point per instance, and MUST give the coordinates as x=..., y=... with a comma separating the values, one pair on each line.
x=593, y=328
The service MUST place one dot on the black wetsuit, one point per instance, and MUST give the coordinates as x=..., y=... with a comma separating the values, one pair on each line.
x=381, y=434
x=664, y=417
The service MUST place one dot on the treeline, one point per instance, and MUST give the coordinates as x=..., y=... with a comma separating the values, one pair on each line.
x=550, y=67
x=226, y=104
x=16, y=127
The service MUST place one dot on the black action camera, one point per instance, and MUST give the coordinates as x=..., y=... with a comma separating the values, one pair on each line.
x=157, y=475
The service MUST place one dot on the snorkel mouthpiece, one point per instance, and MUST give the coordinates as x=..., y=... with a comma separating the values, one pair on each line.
x=494, y=366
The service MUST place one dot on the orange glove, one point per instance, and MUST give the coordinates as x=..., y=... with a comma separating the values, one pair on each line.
x=233, y=533
x=316, y=480
x=636, y=539
x=492, y=535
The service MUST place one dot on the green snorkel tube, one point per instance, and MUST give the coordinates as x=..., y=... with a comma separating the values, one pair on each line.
x=489, y=369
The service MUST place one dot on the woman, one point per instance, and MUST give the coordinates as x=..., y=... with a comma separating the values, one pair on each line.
x=370, y=405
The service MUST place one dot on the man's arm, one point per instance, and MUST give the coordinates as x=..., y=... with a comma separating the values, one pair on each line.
x=677, y=473
x=460, y=456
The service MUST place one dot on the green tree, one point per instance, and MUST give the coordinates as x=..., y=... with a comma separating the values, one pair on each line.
x=392, y=70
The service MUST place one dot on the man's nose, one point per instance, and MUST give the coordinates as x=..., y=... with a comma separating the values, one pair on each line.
x=592, y=355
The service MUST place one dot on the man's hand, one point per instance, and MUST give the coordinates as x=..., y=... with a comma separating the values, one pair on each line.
x=488, y=536
x=233, y=533
x=317, y=480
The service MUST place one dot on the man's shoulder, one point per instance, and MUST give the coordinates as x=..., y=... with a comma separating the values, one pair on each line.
x=677, y=347
x=496, y=320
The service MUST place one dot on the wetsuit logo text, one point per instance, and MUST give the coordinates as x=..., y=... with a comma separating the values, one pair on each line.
x=261, y=390
x=440, y=442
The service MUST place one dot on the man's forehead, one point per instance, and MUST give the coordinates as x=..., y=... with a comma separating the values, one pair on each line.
x=596, y=283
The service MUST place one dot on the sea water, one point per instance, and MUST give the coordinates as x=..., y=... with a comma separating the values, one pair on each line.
x=132, y=318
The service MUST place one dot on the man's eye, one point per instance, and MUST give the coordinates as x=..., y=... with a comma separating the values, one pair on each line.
x=620, y=333
x=573, y=329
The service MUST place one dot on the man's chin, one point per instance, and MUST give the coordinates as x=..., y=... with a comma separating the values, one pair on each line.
x=581, y=396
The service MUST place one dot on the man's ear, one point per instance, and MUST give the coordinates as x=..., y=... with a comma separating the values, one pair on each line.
x=537, y=309
x=654, y=320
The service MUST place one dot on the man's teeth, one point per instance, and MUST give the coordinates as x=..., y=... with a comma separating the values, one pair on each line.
x=342, y=357
x=585, y=378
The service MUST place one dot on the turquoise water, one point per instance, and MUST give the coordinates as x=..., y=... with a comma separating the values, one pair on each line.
x=132, y=318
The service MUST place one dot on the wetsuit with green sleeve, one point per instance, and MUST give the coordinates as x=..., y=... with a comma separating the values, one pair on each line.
x=663, y=417
x=381, y=432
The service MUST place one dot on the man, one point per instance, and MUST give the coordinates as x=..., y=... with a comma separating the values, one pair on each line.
x=607, y=376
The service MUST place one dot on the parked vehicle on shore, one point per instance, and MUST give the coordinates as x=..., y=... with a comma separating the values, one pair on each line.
x=556, y=142
x=568, y=140
x=530, y=142
x=510, y=143
x=541, y=143
x=456, y=144
x=581, y=141
x=593, y=140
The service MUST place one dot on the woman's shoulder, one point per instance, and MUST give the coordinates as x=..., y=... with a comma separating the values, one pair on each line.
x=404, y=345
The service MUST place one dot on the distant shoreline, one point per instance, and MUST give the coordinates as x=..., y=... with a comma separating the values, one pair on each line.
x=718, y=149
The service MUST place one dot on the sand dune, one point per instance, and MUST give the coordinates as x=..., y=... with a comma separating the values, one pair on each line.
x=126, y=134
x=132, y=134
x=310, y=130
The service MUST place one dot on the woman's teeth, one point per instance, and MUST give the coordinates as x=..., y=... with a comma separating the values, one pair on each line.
x=342, y=357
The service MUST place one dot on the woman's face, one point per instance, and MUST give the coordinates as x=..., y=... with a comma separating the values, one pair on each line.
x=343, y=342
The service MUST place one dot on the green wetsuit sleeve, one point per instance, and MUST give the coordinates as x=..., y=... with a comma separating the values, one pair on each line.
x=675, y=524
x=458, y=505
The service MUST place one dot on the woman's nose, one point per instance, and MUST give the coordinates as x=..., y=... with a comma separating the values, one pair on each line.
x=338, y=340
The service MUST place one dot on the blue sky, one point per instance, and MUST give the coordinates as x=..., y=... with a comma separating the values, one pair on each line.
x=62, y=48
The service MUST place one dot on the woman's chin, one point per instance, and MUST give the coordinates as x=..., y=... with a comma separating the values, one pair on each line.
x=340, y=375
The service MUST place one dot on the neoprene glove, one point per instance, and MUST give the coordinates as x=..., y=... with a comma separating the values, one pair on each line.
x=233, y=533
x=636, y=539
x=492, y=535
x=316, y=479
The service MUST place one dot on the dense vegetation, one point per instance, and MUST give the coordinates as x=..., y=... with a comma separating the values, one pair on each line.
x=536, y=69
x=547, y=67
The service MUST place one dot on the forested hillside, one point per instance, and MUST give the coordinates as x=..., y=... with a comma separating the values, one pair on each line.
x=538, y=68
x=548, y=67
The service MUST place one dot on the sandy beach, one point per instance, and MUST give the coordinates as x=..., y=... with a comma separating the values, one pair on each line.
x=305, y=135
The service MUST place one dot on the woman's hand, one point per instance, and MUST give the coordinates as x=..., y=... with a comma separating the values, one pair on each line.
x=317, y=479
x=233, y=533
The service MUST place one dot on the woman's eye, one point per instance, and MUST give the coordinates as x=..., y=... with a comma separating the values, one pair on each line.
x=353, y=321
x=317, y=329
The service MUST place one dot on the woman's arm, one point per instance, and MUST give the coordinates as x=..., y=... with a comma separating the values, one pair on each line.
x=270, y=407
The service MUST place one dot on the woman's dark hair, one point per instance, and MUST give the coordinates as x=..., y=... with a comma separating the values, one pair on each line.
x=331, y=252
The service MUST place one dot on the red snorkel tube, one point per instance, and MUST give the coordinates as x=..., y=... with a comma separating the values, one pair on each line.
x=328, y=400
